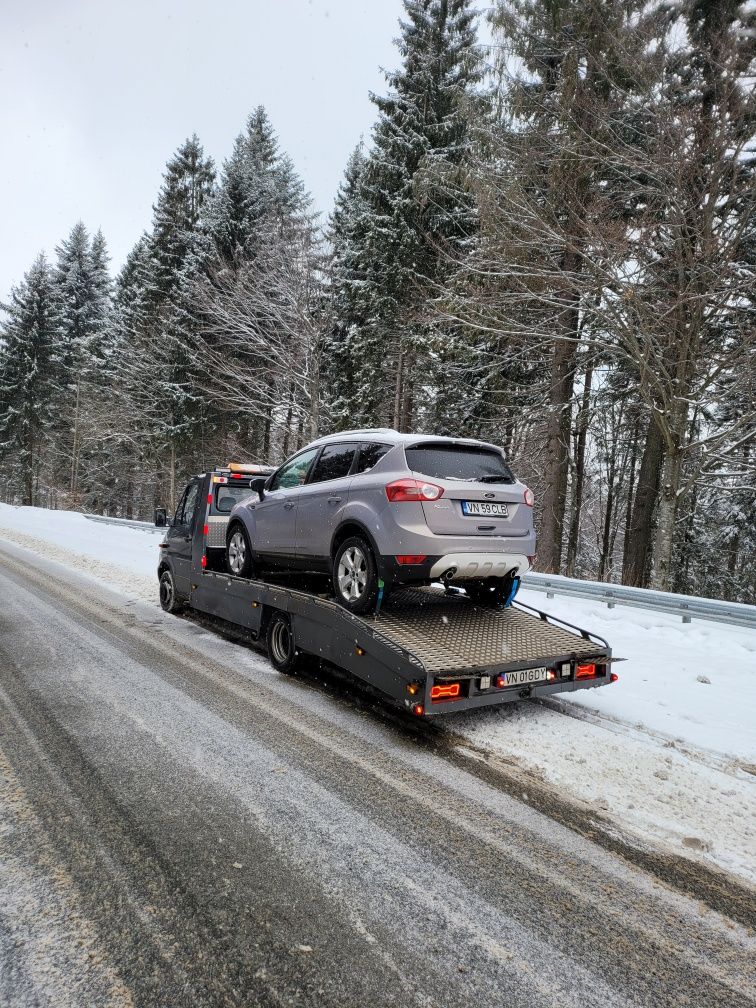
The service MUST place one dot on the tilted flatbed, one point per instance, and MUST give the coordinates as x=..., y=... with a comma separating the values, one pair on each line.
x=429, y=650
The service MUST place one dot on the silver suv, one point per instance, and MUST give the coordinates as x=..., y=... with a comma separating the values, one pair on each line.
x=376, y=509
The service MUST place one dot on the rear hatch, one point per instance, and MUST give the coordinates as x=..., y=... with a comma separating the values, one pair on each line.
x=481, y=495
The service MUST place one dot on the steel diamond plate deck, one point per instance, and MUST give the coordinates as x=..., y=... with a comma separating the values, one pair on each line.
x=448, y=633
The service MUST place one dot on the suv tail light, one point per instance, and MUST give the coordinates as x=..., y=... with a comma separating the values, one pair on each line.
x=413, y=490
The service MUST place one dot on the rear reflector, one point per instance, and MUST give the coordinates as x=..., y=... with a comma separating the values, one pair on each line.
x=613, y=677
x=445, y=691
x=585, y=671
x=204, y=560
x=204, y=530
x=411, y=558
x=528, y=497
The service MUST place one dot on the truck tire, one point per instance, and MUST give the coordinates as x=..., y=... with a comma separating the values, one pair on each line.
x=282, y=648
x=169, y=600
x=239, y=552
x=355, y=575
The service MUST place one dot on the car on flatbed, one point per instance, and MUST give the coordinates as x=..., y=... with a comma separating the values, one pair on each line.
x=377, y=509
x=430, y=650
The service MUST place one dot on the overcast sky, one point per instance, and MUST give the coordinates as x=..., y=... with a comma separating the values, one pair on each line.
x=96, y=94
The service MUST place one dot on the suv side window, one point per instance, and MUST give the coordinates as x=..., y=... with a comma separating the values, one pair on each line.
x=294, y=473
x=370, y=455
x=335, y=462
x=185, y=513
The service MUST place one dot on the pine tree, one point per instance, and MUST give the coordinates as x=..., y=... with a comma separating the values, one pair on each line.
x=418, y=215
x=83, y=289
x=341, y=409
x=259, y=215
x=30, y=381
x=259, y=191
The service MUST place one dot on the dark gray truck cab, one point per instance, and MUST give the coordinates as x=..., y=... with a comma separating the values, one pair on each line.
x=429, y=650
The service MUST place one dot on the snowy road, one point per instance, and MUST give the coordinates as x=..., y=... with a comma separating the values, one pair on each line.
x=181, y=826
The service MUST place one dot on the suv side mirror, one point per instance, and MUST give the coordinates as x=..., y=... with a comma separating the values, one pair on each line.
x=259, y=485
x=161, y=517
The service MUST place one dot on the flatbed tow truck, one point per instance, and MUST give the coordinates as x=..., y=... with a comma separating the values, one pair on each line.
x=428, y=650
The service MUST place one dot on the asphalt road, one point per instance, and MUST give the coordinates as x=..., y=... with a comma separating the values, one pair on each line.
x=179, y=826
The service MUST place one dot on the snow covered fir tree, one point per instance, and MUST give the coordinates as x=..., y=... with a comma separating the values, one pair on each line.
x=547, y=241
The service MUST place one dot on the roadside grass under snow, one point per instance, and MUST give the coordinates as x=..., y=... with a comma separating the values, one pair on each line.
x=668, y=752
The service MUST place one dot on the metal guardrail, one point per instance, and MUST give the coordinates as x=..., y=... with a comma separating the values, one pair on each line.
x=128, y=522
x=687, y=607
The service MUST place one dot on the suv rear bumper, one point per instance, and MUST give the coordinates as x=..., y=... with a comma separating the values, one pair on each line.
x=469, y=566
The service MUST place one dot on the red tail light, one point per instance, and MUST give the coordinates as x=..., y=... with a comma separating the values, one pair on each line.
x=205, y=530
x=407, y=559
x=528, y=497
x=413, y=490
x=445, y=691
x=203, y=561
x=613, y=677
x=585, y=671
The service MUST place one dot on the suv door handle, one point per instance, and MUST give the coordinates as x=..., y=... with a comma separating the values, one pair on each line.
x=334, y=500
x=288, y=505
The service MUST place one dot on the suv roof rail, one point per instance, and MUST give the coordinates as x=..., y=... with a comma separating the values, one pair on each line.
x=365, y=430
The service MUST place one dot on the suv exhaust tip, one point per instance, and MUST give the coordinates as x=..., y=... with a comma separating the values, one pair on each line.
x=448, y=574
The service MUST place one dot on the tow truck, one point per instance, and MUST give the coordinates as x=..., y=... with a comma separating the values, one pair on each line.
x=428, y=650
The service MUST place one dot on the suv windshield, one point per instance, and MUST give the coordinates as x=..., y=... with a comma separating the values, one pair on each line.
x=459, y=462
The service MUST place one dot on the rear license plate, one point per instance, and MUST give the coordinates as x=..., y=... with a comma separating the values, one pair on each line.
x=485, y=509
x=524, y=677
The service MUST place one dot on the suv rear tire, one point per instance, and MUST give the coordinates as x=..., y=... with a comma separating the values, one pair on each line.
x=239, y=553
x=491, y=593
x=355, y=575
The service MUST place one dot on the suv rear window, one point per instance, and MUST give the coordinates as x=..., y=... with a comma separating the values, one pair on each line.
x=461, y=462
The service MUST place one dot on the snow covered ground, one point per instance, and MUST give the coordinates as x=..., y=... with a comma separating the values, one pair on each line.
x=668, y=753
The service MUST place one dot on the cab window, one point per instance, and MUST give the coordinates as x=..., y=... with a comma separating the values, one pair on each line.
x=228, y=496
x=188, y=505
x=334, y=463
x=294, y=473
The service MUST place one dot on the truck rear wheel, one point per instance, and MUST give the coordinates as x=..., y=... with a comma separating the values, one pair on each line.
x=169, y=601
x=282, y=647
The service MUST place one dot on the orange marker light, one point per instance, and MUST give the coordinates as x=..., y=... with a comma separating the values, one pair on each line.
x=418, y=709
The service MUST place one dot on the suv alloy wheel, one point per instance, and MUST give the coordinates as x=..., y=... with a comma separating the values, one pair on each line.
x=355, y=575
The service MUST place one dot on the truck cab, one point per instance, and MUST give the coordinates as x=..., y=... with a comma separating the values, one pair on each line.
x=202, y=514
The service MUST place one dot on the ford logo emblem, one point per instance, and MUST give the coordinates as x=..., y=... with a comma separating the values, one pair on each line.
x=489, y=496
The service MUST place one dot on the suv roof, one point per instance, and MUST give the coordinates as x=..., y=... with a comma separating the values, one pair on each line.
x=390, y=436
